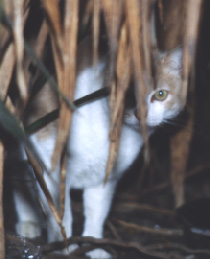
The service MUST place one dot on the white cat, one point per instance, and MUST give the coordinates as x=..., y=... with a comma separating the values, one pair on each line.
x=88, y=146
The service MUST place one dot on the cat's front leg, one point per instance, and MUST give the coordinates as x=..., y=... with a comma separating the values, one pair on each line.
x=29, y=215
x=28, y=220
x=52, y=179
x=97, y=203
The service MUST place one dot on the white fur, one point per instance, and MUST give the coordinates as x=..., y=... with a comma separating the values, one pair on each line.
x=87, y=152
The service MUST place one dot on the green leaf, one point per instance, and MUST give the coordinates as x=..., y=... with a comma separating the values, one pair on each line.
x=10, y=123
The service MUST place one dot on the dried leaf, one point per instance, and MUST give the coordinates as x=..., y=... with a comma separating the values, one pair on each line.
x=6, y=70
x=160, y=10
x=179, y=152
x=96, y=30
x=113, y=16
x=65, y=60
x=172, y=16
x=52, y=10
x=62, y=184
x=87, y=13
x=146, y=41
x=68, y=75
x=179, y=156
x=55, y=30
x=41, y=40
x=123, y=77
x=10, y=106
x=43, y=185
x=38, y=47
x=18, y=25
x=193, y=16
x=117, y=98
x=134, y=19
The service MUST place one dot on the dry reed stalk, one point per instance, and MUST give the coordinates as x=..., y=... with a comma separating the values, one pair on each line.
x=39, y=175
x=5, y=36
x=53, y=14
x=180, y=151
x=172, y=19
x=38, y=46
x=134, y=23
x=113, y=17
x=180, y=147
x=6, y=70
x=86, y=13
x=64, y=42
x=96, y=30
x=117, y=97
x=146, y=10
x=66, y=73
x=70, y=50
x=193, y=16
x=18, y=25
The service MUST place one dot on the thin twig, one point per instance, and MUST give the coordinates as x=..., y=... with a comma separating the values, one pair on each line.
x=101, y=243
x=130, y=206
x=158, y=231
x=113, y=230
x=162, y=246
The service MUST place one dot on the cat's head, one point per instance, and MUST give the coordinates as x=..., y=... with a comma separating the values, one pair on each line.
x=166, y=100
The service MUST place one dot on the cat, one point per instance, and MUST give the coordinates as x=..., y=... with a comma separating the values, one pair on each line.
x=88, y=145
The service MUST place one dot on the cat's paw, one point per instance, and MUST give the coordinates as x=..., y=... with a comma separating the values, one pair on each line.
x=28, y=229
x=99, y=254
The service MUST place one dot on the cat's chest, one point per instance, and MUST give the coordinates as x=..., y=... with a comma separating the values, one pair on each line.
x=88, y=145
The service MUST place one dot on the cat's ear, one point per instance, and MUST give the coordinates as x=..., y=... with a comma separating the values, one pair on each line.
x=175, y=58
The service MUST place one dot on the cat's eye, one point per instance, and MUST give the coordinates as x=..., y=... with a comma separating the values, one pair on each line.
x=161, y=95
